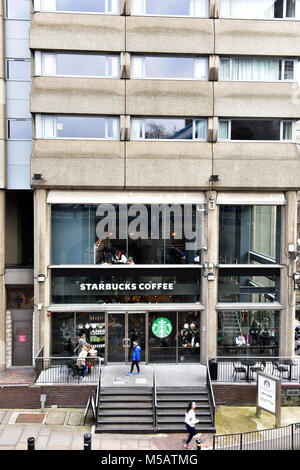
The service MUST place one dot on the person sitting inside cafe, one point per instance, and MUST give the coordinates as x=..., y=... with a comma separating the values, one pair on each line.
x=240, y=340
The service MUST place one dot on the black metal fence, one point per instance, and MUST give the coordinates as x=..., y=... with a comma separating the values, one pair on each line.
x=244, y=368
x=284, y=438
x=64, y=370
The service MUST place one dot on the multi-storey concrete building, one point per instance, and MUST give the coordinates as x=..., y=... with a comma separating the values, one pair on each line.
x=137, y=104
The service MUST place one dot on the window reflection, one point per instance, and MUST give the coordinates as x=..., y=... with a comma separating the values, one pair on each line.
x=18, y=69
x=19, y=129
x=249, y=234
x=19, y=9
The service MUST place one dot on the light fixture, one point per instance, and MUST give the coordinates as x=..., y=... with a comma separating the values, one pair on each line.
x=214, y=178
x=38, y=177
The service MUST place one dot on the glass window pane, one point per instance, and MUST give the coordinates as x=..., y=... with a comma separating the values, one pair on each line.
x=169, y=67
x=168, y=128
x=80, y=64
x=225, y=69
x=162, y=337
x=86, y=127
x=200, y=130
x=288, y=70
x=97, y=6
x=257, y=9
x=189, y=334
x=290, y=8
x=250, y=332
x=19, y=129
x=255, y=69
x=18, y=69
x=287, y=130
x=168, y=7
x=255, y=129
x=223, y=130
x=18, y=9
x=249, y=234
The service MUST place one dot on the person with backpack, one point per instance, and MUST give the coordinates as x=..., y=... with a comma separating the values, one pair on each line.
x=136, y=357
x=190, y=421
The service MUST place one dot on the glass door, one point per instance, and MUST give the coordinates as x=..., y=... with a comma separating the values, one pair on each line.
x=123, y=330
x=136, y=332
x=116, y=344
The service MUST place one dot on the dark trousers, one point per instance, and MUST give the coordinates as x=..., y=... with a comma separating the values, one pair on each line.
x=137, y=365
x=192, y=432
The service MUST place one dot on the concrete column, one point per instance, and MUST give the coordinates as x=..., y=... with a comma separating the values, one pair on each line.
x=210, y=287
x=287, y=293
x=2, y=283
x=41, y=336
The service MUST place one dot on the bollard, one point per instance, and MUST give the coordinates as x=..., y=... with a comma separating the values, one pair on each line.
x=87, y=442
x=30, y=443
x=198, y=444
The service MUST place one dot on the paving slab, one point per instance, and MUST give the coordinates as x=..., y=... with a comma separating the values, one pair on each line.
x=57, y=418
x=29, y=431
x=111, y=444
x=75, y=419
x=60, y=440
x=10, y=435
x=2, y=416
x=41, y=442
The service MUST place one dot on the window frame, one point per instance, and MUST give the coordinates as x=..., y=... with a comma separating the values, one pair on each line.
x=40, y=131
x=144, y=57
x=7, y=60
x=284, y=17
x=6, y=17
x=39, y=59
x=10, y=139
x=39, y=6
x=281, y=60
x=143, y=138
x=169, y=15
x=280, y=140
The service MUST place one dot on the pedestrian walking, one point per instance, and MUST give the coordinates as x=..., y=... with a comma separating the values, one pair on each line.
x=81, y=342
x=136, y=357
x=190, y=421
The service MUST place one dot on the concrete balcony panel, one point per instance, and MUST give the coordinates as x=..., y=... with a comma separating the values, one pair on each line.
x=80, y=164
x=77, y=95
x=257, y=37
x=169, y=35
x=257, y=99
x=73, y=31
x=257, y=165
x=169, y=98
x=171, y=165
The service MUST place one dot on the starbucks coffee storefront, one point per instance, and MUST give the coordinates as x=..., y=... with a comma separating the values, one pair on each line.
x=125, y=272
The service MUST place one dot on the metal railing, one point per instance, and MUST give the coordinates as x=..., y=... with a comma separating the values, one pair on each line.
x=98, y=391
x=154, y=398
x=64, y=370
x=284, y=438
x=211, y=397
x=241, y=369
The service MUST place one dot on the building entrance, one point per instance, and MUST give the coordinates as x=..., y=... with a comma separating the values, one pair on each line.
x=123, y=330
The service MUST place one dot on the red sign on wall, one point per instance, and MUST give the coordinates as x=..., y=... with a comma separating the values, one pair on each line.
x=22, y=338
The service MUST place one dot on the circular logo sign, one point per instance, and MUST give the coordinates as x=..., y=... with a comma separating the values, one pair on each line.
x=161, y=327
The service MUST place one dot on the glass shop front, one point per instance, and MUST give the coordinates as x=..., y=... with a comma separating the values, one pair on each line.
x=140, y=281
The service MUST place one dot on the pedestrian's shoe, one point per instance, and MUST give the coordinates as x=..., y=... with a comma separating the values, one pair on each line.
x=186, y=446
x=129, y=373
x=137, y=373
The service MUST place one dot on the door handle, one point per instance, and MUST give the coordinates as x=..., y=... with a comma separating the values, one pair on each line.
x=126, y=342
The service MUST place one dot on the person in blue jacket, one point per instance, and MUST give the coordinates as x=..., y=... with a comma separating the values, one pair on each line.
x=136, y=357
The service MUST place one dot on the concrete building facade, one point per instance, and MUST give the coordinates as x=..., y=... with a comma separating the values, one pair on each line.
x=134, y=105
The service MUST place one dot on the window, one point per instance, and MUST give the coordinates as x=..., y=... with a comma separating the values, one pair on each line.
x=111, y=234
x=77, y=64
x=198, y=8
x=173, y=128
x=256, y=69
x=18, y=9
x=19, y=129
x=271, y=9
x=260, y=329
x=257, y=129
x=80, y=6
x=249, y=234
x=18, y=69
x=167, y=67
x=77, y=127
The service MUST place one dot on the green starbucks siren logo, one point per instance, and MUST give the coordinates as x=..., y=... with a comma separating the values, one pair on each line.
x=161, y=327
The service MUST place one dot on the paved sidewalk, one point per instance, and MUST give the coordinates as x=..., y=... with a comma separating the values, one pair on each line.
x=62, y=429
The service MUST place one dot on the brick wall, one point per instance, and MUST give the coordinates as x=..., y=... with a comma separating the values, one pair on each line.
x=26, y=396
x=245, y=394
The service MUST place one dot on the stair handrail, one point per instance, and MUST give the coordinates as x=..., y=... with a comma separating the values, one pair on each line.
x=154, y=397
x=98, y=389
x=210, y=392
